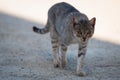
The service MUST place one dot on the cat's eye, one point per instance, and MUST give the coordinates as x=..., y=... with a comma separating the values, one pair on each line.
x=88, y=33
x=78, y=33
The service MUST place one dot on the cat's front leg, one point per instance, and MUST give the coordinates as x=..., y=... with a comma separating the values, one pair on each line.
x=63, y=55
x=81, y=56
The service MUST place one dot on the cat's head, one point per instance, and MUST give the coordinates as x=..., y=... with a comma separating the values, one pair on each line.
x=84, y=29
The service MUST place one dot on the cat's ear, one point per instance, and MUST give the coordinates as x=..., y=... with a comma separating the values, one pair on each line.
x=92, y=22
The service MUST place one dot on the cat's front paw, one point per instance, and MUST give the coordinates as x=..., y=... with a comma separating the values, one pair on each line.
x=81, y=73
x=63, y=64
x=56, y=64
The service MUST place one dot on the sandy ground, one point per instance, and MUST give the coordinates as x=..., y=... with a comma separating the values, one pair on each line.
x=25, y=55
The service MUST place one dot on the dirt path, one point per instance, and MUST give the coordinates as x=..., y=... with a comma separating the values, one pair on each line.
x=25, y=55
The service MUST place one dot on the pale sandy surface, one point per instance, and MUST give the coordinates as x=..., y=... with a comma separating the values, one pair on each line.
x=25, y=55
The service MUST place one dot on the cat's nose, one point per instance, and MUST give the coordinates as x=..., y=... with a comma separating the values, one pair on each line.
x=84, y=38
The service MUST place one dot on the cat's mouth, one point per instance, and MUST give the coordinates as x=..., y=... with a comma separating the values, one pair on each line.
x=83, y=39
x=80, y=37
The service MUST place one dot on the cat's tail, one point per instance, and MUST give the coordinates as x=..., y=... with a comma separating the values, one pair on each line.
x=41, y=31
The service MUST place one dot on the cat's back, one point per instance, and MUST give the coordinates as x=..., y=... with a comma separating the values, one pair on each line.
x=61, y=9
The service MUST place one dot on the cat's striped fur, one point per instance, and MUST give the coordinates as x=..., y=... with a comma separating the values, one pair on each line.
x=66, y=26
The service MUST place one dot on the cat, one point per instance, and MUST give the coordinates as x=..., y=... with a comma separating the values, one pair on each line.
x=68, y=26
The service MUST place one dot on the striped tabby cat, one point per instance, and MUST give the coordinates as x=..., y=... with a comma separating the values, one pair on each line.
x=66, y=26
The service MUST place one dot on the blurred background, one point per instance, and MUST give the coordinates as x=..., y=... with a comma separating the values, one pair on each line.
x=107, y=13
x=25, y=55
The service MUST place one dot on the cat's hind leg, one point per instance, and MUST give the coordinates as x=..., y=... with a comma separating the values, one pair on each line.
x=63, y=58
x=55, y=47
